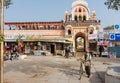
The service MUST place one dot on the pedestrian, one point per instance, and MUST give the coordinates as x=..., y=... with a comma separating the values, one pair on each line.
x=14, y=53
x=101, y=49
x=87, y=62
x=70, y=52
x=67, y=50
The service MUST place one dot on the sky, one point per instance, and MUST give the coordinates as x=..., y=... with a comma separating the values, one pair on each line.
x=53, y=10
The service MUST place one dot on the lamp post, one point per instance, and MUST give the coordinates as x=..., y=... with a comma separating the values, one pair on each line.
x=1, y=42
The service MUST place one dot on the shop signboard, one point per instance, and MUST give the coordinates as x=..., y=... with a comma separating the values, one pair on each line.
x=103, y=42
x=23, y=36
x=116, y=27
x=117, y=37
x=92, y=36
x=113, y=36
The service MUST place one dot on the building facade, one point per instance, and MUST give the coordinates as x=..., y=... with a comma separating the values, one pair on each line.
x=77, y=31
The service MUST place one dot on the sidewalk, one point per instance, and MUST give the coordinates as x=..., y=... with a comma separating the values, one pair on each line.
x=101, y=64
x=50, y=69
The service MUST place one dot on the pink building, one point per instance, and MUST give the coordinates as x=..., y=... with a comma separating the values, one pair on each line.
x=73, y=31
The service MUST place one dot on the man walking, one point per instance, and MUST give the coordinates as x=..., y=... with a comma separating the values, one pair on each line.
x=87, y=62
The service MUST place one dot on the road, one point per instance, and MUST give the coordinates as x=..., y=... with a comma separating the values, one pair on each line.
x=53, y=69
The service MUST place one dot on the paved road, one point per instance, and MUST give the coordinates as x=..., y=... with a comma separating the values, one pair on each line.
x=51, y=69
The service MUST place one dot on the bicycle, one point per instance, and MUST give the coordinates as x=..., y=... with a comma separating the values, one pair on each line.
x=81, y=68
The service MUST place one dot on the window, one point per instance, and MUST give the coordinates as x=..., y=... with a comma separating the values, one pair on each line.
x=76, y=10
x=80, y=10
x=80, y=17
x=69, y=32
x=84, y=17
x=48, y=27
x=84, y=10
x=75, y=18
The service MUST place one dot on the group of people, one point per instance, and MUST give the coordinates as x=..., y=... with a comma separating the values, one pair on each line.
x=11, y=54
x=68, y=52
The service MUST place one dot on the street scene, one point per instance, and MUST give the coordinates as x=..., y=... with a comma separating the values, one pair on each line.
x=59, y=41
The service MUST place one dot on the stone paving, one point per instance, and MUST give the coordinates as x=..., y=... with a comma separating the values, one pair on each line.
x=51, y=69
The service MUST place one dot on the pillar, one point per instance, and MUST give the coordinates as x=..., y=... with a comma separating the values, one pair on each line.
x=1, y=43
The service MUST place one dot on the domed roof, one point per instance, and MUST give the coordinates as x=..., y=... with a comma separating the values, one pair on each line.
x=80, y=2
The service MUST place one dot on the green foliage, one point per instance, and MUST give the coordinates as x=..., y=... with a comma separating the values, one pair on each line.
x=109, y=27
x=113, y=4
x=19, y=39
x=1, y=37
x=7, y=3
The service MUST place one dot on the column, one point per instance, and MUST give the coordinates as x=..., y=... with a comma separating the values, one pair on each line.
x=1, y=43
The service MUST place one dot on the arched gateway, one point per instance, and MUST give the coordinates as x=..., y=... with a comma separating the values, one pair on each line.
x=80, y=43
x=78, y=36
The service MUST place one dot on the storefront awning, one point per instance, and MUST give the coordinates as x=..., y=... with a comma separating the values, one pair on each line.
x=61, y=40
x=103, y=43
x=93, y=41
x=52, y=40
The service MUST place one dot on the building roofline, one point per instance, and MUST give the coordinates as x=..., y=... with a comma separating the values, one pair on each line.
x=49, y=22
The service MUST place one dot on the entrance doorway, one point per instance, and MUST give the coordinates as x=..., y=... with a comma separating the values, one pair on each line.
x=80, y=42
x=52, y=48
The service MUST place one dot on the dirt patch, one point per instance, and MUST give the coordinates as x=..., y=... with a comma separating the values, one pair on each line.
x=106, y=63
x=34, y=76
x=37, y=75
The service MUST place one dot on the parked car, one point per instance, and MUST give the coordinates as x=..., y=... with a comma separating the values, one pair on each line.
x=105, y=54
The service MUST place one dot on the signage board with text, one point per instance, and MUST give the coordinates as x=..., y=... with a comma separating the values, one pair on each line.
x=113, y=36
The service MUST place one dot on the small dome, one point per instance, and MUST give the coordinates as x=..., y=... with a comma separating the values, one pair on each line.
x=93, y=12
x=80, y=2
x=66, y=12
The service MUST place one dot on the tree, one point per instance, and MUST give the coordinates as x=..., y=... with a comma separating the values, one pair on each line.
x=20, y=43
x=3, y=3
x=109, y=27
x=7, y=3
x=113, y=4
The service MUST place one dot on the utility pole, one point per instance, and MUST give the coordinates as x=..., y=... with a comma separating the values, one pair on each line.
x=1, y=42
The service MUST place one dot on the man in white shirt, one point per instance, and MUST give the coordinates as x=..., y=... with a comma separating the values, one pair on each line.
x=87, y=62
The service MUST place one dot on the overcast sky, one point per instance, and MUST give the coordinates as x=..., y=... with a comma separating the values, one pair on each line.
x=53, y=10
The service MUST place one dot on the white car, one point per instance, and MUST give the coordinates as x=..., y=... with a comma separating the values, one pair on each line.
x=105, y=54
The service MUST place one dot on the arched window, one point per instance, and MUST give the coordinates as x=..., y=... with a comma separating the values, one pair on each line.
x=69, y=32
x=33, y=27
x=45, y=27
x=79, y=9
x=65, y=17
x=75, y=18
x=84, y=10
x=76, y=10
x=48, y=27
x=80, y=17
x=84, y=17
